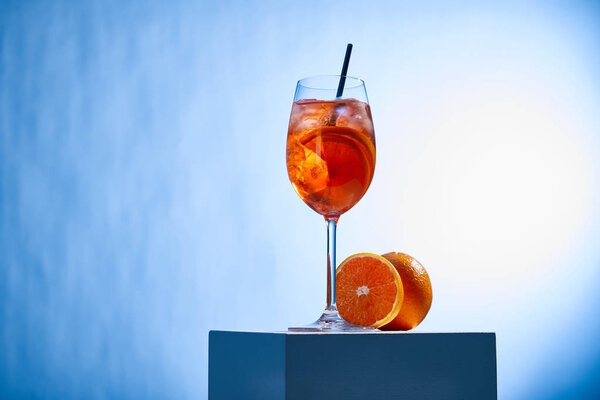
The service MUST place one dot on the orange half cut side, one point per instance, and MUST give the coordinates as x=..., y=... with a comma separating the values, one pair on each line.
x=369, y=290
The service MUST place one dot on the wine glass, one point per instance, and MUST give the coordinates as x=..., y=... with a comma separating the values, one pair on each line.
x=330, y=162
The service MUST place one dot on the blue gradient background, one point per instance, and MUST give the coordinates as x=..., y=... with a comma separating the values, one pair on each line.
x=144, y=197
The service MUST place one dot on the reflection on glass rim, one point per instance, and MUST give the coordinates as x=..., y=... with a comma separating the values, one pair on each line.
x=329, y=82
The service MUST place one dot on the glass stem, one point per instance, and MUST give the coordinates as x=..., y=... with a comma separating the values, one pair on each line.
x=331, y=227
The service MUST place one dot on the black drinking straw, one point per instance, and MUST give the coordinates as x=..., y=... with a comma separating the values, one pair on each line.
x=344, y=71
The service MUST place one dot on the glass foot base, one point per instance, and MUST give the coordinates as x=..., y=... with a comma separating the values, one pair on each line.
x=332, y=321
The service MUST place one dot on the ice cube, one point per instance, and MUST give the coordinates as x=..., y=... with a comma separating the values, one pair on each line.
x=314, y=171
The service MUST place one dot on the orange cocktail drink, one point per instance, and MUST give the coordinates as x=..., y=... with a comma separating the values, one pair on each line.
x=331, y=153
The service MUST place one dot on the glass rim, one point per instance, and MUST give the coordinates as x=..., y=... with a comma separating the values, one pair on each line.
x=356, y=82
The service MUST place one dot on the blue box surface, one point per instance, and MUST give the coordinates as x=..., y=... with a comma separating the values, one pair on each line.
x=385, y=365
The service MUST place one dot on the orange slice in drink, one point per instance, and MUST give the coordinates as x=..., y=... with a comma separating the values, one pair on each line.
x=369, y=290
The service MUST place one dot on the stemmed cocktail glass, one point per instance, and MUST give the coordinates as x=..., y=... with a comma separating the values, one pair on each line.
x=330, y=162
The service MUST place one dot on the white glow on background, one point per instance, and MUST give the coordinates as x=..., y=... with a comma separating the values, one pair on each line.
x=144, y=196
x=500, y=175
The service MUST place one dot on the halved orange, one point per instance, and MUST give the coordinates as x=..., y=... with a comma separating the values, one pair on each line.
x=369, y=290
x=417, y=292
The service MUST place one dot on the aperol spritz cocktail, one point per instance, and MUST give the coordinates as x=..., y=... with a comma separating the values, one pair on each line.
x=330, y=158
x=331, y=153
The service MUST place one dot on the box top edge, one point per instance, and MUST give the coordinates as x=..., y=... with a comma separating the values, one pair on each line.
x=349, y=333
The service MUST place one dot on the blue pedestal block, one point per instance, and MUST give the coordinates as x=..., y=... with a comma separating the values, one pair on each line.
x=348, y=366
